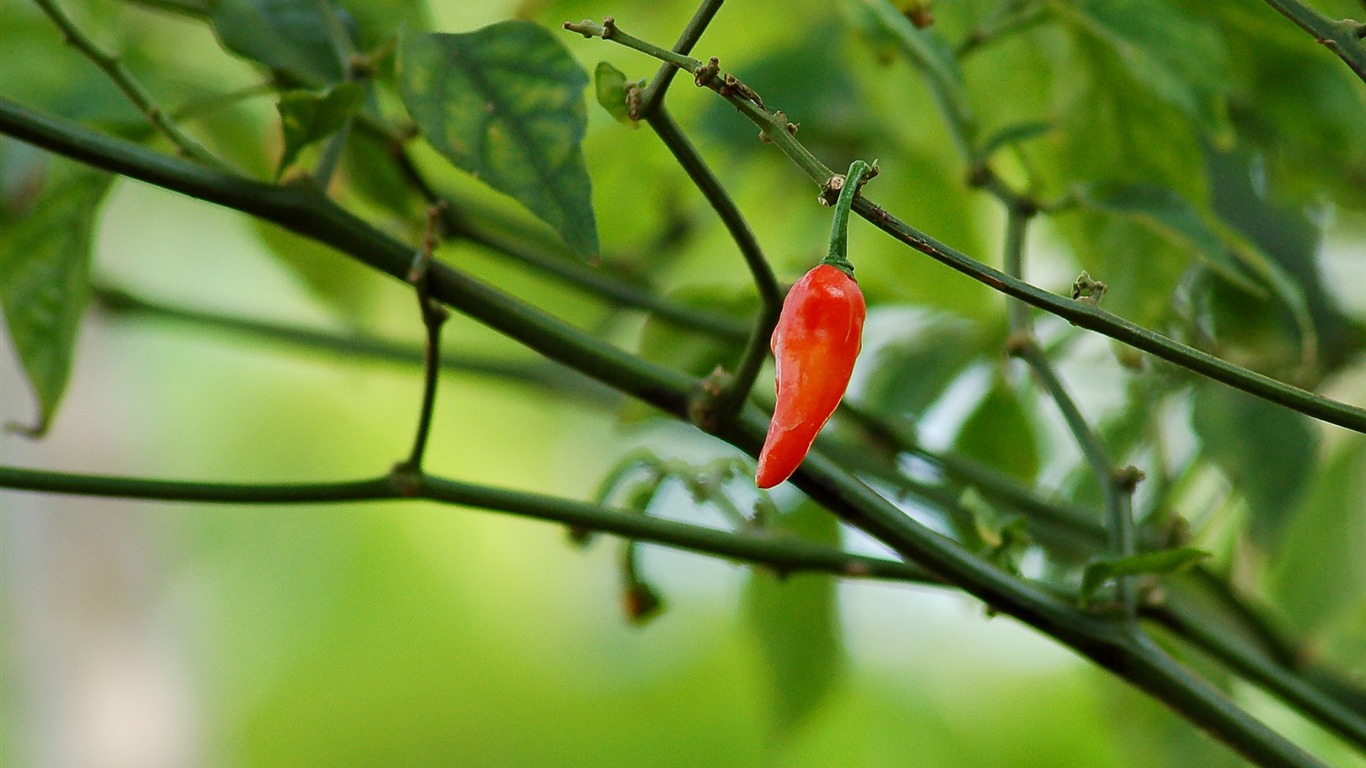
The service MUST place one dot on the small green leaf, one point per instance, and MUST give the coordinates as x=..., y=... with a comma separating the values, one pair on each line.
x=1266, y=451
x=612, y=86
x=289, y=36
x=307, y=117
x=506, y=104
x=1162, y=562
x=45, y=283
x=796, y=623
x=1166, y=213
x=1000, y=434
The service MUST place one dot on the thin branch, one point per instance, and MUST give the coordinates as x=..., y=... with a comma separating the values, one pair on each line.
x=1025, y=346
x=1084, y=314
x=114, y=68
x=787, y=554
x=1192, y=625
x=732, y=396
x=1343, y=38
x=653, y=95
x=433, y=317
x=563, y=381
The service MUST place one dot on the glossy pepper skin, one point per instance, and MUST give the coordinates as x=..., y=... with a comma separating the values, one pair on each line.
x=818, y=337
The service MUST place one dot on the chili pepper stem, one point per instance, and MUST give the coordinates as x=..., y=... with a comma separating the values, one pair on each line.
x=859, y=172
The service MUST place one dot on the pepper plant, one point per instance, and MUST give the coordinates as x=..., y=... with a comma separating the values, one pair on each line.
x=1149, y=452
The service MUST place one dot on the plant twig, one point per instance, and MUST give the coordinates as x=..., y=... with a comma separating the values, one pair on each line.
x=653, y=95
x=114, y=68
x=433, y=317
x=563, y=381
x=457, y=225
x=733, y=394
x=1343, y=38
x=1025, y=346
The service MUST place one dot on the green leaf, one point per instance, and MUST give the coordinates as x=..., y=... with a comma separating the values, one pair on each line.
x=1178, y=58
x=1000, y=434
x=796, y=623
x=289, y=36
x=1267, y=452
x=1162, y=562
x=1320, y=571
x=45, y=283
x=1168, y=214
x=612, y=86
x=307, y=117
x=506, y=104
x=910, y=372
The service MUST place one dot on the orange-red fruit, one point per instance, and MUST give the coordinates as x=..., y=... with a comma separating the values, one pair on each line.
x=819, y=335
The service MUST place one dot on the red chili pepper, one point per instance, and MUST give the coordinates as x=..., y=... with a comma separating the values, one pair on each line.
x=818, y=337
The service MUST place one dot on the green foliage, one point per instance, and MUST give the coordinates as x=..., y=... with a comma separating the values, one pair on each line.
x=506, y=104
x=1205, y=161
x=1269, y=454
x=795, y=620
x=309, y=117
x=293, y=37
x=999, y=433
x=1320, y=574
x=45, y=279
x=611, y=86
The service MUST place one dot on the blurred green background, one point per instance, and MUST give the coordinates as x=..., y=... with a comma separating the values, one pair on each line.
x=152, y=634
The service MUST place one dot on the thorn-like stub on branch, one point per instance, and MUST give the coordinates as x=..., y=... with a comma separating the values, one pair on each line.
x=584, y=27
x=702, y=403
x=406, y=479
x=1128, y=478
x=830, y=192
x=705, y=74
x=1020, y=344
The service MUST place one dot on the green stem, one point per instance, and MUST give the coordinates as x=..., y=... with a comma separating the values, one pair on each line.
x=1023, y=344
x=732, y=397
x=783, y=553
x=1343, y=37
x=653, y=94
x=1293, y=689
x=563, y=381
x=774, y=126
x=1090, y=316
x=113, y=67
x=838, y=255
